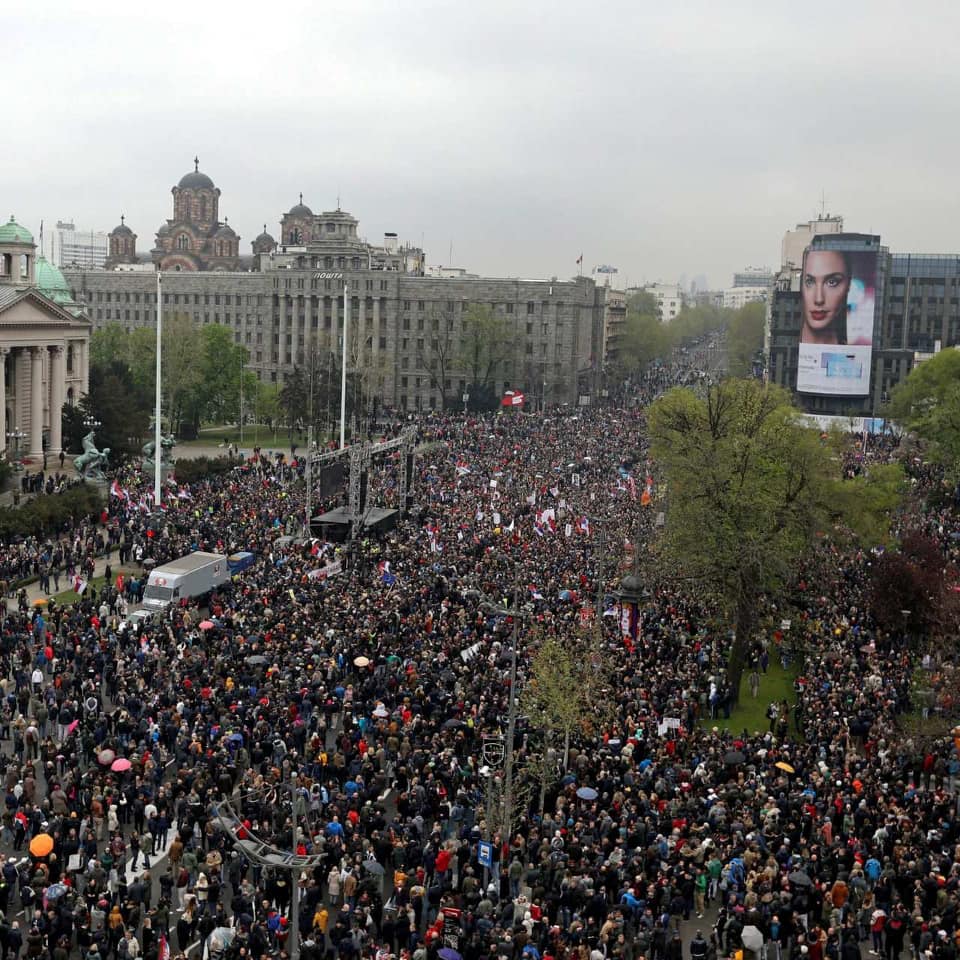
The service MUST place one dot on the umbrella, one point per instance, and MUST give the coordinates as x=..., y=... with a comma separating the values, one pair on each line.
x=751, y=938
x=55, y=891
x=371, y=866
x=256, y=660
x=785, y=767
x=567, y=780
x=206, y=624
x=73, y=726
x=452, y=724
x=800, y=879
x=361, y=662
x=587, y=793
x=733, y=757
x=381, y=711
x=221, y=938
x=120, y=765
x=448, y=953
x=41, y=602
x=105, y=758
x=41, y=845
x=235, y=738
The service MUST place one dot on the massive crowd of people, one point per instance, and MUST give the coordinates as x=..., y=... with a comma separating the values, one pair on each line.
x=340, y=697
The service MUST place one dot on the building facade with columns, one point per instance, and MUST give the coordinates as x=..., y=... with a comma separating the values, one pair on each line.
x=44, y=348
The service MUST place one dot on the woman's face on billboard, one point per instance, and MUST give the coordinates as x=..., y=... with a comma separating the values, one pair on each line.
x=826, y=284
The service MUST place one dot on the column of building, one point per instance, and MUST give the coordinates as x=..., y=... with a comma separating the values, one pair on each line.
x=57, y=384
x=36, y=402
x=3, y=399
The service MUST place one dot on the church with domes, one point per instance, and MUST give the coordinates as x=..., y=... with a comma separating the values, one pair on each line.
x=195, y=239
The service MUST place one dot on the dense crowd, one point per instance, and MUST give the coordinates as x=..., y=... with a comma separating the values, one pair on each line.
x=349, y=690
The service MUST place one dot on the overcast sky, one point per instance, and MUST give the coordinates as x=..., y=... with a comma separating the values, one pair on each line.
x=666, y=139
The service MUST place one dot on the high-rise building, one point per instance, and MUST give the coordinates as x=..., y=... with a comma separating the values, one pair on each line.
x=754, y=277
x=898, y=309
x=78, y=249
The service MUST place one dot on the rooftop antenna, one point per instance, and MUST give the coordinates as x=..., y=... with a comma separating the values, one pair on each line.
x=823, y=203
x=196, y=164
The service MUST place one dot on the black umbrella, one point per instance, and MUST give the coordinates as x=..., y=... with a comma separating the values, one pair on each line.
x=452, y=724
x=372, y=866
x=800, y=879
x=733, y=757
x=256, y=660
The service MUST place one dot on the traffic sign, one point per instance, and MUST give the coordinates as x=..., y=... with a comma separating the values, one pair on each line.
x=485, y=854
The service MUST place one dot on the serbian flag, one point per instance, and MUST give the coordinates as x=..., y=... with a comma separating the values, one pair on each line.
x=116, y=490
x=462, y=468
x=163, y=948
x=534, y=592
x=79, y=585
x=583, y=526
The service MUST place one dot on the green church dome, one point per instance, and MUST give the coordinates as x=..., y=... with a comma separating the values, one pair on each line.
x=12, y=232
x=51, y=282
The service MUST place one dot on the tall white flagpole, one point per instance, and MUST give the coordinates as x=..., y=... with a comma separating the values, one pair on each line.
x=157, y=433
x=343, y=371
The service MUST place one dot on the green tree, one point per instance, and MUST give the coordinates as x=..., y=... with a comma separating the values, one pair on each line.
x=121, y=406
x=644, y=338
x=748, y=489
x=487, y=345
x=745, y=338
x=928, y=403
x=441, y=356
x=181, y=371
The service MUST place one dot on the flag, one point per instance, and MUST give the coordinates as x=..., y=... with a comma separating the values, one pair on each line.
x=586, y=615
x=79, y=585
x=535, y=593
x=116, y=490
x=163, y=948
x=580, y=260
x=583, y=526
x=462, y=468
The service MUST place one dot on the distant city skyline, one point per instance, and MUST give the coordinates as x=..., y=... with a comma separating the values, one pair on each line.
x=663, y=140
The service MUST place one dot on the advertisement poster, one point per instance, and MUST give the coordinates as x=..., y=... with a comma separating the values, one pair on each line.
x=838, y=304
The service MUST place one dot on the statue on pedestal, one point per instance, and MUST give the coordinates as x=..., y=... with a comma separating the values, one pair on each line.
x=92, y=463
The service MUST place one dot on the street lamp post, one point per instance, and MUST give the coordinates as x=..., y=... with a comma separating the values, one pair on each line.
x=514, y=612
x=15, y=436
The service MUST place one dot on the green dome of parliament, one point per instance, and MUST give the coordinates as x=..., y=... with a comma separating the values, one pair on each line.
x=12, y=232
x=51, y=282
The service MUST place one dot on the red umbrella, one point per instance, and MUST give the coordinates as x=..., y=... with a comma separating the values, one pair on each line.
x=105, y=757
x=206, y=624
x=120, y=765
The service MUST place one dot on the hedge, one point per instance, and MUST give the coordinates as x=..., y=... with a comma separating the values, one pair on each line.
x=50, y=513
x=192, y=469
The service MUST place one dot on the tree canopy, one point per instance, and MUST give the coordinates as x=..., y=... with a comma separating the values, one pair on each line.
x=748, y=489
x=201, y=368
x=928, y=403
x=745, y=337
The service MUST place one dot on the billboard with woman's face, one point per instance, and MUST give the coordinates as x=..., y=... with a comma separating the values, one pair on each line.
x=838, y=302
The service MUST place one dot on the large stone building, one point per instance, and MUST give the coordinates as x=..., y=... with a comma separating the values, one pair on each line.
x=44, y=347
x=401, y=321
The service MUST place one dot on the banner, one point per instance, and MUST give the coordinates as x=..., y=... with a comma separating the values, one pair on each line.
x=838, y=291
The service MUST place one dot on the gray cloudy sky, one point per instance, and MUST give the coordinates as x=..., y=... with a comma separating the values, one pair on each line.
x=664, y=138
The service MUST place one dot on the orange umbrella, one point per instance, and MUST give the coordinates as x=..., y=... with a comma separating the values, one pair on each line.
x=785, y=767
x=41, y=845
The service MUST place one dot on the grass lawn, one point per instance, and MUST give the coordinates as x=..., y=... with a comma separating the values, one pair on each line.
x=775, y=684
x=69, y=596
x=254, y=435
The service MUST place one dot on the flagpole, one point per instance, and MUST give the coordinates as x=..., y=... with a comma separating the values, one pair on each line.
x=157, y=434
x=343, y=371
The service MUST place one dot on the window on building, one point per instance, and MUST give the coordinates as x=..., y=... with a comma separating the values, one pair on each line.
x=531, y=306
